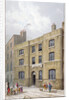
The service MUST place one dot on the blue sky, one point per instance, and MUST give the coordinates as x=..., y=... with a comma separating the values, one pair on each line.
x=35, y=17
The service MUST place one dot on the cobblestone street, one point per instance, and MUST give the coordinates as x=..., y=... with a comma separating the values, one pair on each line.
x=34, y=92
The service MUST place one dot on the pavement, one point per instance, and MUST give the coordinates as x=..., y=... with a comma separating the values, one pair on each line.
x=34, y=92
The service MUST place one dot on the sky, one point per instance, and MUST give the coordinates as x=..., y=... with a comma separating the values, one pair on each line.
x=35, y=17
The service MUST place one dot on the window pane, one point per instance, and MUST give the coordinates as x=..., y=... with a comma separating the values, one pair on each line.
x=51, y=42
x=40, y=59
x=21, y=51
x=33, y=60
x=21, y=75
x=40, y=75
x=33, y=49
x=52, y=74
x=21, y=61
x=51, y=56
x=40, y=47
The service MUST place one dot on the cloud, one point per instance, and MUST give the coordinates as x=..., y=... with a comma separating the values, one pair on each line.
x=27, y=13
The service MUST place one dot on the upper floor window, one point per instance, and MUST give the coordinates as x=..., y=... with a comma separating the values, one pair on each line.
x=21, y=75
x=7, y=78
x=10, y=44
x=21, y=51
x=40, y=47
x=40, y=75
x=51, y=43
x=33, y=60
x=7, y=67
x=7, y=56
x=40, y=59
x=21, y=61
x=11, y=66
x=52, y=74
x=10, y=54
x=33, y=49
x=51, y=56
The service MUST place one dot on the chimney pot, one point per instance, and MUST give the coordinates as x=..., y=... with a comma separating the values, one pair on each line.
x=53, y=27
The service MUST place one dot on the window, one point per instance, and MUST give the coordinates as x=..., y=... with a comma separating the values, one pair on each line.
x=7, y=67
x=10, y=44
x=10, y=54
x=40, y=75
x=52, y=74
x=11, y=78
x=21, y=51
x=40, y=47
x=51, y=56
x=7, y=56
x=7, y=78
x=33, y=60
x=11, y=66
x=21, y=75
x=51, y=43
x=40, y=59
x=21, y=61
x=33, y=49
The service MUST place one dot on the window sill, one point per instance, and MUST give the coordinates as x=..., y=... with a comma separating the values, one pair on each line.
x=51, y=60
x=21, y=79
x=21, y=54
x=40, y=80
x=51, y=47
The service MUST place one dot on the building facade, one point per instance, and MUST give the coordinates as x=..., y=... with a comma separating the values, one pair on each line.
x=41, y=60
x=9, y=55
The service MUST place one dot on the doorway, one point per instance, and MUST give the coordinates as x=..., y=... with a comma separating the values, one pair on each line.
x=33, y=78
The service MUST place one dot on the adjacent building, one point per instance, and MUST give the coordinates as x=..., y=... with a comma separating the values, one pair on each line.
x=40, y=60
x=9, y=58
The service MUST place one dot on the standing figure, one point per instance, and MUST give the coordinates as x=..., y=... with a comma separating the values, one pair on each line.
x=49, y=86
x=46, y=86
x=8, y=88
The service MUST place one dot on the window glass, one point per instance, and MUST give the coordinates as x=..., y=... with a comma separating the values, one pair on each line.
x=52, y=74
x=21, y=51
x=21, y=61
x=33, y=60
x=40, y=75
x=40, y=47
x=21, y=75
x=51, y=56
x=11, y=66
x=51, y=42
x=40, y=59
x=33, y=49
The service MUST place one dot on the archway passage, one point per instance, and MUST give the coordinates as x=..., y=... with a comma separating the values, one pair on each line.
x=33, y=78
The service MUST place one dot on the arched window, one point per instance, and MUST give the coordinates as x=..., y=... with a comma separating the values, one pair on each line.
x=40, y=75
x=21, y=75
x=52, y=74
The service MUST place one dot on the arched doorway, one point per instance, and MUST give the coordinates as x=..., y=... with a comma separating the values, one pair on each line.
x=33, y=78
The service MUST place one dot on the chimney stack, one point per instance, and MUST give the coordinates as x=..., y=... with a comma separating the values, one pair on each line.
x=63, y=25
x=23, y=34
x=53, y=27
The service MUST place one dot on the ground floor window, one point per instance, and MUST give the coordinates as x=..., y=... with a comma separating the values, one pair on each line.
x=40, y=75
x=21, y=75
x=52, y=74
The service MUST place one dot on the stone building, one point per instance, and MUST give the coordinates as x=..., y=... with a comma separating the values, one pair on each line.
x=41, y=60
x=9, y=58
